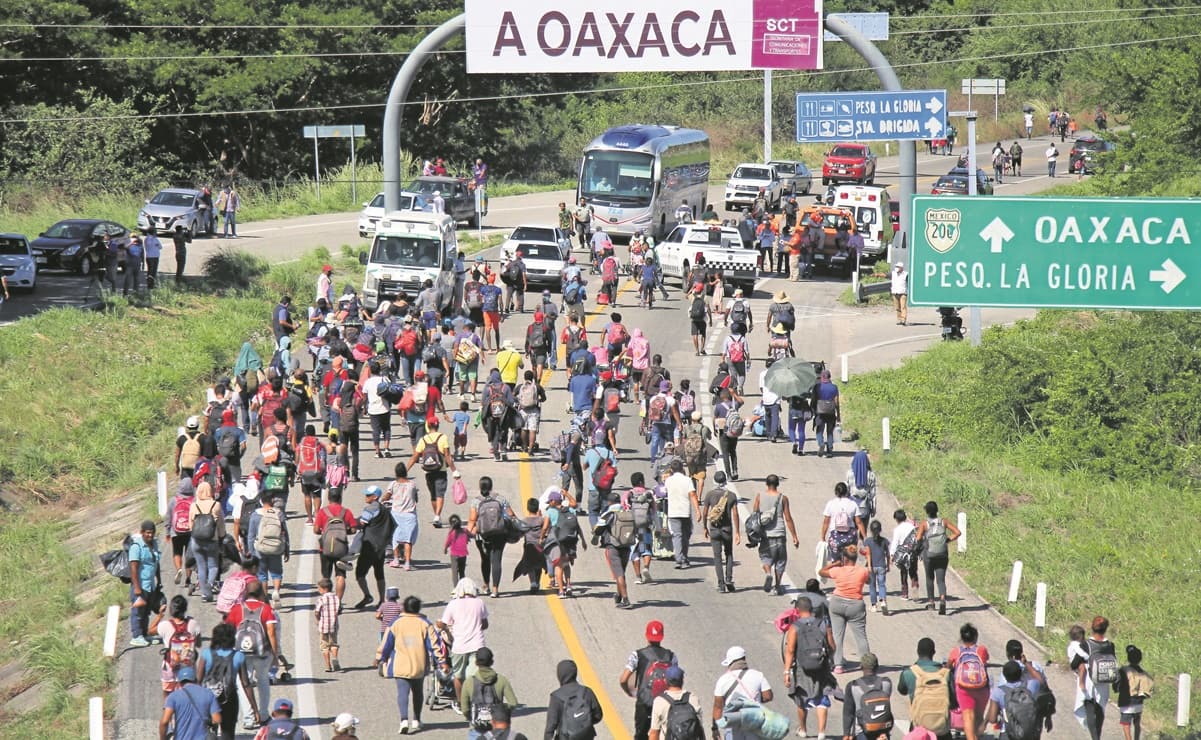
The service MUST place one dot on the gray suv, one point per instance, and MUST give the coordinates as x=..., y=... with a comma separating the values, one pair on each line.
x=178, y=207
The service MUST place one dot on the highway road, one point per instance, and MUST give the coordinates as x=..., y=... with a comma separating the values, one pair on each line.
x=530, y=633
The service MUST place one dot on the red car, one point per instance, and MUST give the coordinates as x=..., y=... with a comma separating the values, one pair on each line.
x=849, y=163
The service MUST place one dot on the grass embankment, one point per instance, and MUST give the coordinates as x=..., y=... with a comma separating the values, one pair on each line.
x=848, y=297
x=92, y=402
x=1071, y=443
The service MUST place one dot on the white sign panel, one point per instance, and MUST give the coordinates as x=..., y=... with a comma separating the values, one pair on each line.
x=873, y=26
x=546, y=36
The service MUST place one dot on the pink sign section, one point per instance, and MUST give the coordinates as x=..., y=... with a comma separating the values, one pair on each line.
x=787, y=34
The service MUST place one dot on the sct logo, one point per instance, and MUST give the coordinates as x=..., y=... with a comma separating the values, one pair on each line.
x=942, y=228
x=783, y=25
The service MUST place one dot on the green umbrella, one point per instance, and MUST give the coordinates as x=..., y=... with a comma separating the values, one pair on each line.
x=791, y=376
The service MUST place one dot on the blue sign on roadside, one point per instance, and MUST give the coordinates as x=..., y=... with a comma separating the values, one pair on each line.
x=871, y=116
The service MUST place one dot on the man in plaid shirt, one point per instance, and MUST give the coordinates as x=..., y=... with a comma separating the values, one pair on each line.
x=326, y=613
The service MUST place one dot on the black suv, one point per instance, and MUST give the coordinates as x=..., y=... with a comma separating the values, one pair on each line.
x=1087, y=153
x=459, y=199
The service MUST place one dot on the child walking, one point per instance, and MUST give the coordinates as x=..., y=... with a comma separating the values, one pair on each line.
x=389, y=610
x=878, y=562
x=533, y=562
x=327, y=623
x=461, y=419
x=456, y=546
x=1134, y=687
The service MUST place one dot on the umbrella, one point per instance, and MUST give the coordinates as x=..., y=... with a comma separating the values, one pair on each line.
x=791, y=376
x=1027, y=108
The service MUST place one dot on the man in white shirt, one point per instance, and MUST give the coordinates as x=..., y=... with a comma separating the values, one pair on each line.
x=325, y=285
x=904, y=528
x=1052, y=155
x=770, y=401
x=439, y=202
x=900, y=292
x=739, y=683
x=681, y=502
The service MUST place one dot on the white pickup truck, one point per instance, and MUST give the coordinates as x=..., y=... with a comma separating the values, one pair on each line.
x=747, y=180
x=721, y=247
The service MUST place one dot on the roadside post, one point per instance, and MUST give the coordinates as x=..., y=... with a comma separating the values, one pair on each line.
x=316, y=133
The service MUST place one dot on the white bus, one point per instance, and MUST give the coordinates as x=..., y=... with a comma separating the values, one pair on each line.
x=635, y=177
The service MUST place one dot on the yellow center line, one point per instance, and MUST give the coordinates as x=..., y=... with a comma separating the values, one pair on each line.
x=586, y=671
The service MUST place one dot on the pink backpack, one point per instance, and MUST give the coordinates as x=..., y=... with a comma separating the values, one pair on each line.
x=920, y=733
x=233, y=591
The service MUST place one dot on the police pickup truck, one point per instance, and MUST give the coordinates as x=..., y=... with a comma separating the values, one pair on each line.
x=719, y=244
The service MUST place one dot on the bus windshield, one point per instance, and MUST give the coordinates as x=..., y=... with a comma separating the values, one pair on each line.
x=407, y=251
x=623, y=177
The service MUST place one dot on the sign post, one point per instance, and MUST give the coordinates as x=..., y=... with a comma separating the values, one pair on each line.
x=1090, y=253
x=993, y=87
x=334, y=132
x=907, y=115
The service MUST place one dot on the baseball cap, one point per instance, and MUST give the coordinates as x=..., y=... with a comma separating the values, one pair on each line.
x=326, y=268
x=345, y=721
x=372, y=491
x=193, y=422
x=546, y=292
x=675, y=675
x=554, y=496
x=654, y=630
x=282, y=705
x=664, y=385
x=147, y=526
x=185, y=673
x=898, y=264
x=735, y=653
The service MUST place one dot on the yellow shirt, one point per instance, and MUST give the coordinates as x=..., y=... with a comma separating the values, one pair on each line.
x=509, y=362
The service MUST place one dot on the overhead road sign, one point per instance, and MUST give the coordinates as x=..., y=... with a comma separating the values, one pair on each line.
x=546, y=36
x=987, y=86
x=906, y=115
x=872, y=26
x=334, y=132
x=1123, y=253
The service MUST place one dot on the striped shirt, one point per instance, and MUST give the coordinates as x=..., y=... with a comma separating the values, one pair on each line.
x=389, y=612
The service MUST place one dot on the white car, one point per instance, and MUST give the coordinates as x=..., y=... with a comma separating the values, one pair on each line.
x=544, y=249
x=17, y=263
x=373, y=210
x=747, y=180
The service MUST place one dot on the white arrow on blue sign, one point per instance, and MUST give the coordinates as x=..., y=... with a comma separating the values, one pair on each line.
x=906, y=115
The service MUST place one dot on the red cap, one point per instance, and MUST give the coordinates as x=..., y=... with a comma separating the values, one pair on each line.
x=654, y=631
x=539, y=316
x=326, y=268
x=606, y=376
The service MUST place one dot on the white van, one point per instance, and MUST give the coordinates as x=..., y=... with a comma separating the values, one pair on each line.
x=410, y=247
x=869, y=205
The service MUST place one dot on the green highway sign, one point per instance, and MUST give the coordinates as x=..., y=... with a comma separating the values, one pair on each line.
x=1127, y=253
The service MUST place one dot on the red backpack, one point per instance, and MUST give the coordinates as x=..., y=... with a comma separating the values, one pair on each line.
x=737, y=350
x=179, y=516
x=406, y=343
x=609, y=268
x=308, y=457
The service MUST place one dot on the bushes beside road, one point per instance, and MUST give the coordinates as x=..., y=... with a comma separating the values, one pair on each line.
x=1071, y=441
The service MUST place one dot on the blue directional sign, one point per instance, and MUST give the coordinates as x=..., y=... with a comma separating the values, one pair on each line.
x=871, y=116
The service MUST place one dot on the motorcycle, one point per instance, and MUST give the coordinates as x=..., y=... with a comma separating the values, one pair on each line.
x=952, y=324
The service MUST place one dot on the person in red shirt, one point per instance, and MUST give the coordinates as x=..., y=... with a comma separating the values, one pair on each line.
x=329, y=391
x=258, y=665
x=330, y=564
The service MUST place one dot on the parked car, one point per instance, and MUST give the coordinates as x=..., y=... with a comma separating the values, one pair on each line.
x=747, y=180
x=17, y=263
x=1091, y=149
x=458, y=196
x=71, y=244
x=178, y=207
x=849, y=162
x=373, y=210
x=795, y=175
x=544, y=249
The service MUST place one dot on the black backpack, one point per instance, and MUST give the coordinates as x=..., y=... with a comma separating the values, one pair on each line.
x=576, y=722
x=220, y=677
x=483, y=702
x=682, y=720
x=697, y=311
x=1022, y=720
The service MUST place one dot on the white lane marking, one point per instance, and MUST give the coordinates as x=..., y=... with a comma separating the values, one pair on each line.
x=302, y=644
x=887, y=342
x=266, y=229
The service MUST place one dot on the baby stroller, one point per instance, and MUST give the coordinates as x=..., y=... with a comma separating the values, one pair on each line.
x=621, y=367
x=440, y=683
x=661, y=547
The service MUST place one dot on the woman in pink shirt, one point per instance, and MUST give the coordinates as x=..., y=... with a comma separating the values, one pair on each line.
x=846, y=603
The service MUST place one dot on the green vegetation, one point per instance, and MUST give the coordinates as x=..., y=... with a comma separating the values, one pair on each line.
x=1071, y=442
x=848, y=297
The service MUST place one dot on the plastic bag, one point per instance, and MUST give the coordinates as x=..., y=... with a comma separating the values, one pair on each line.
x=458, y=491
x=116, y=562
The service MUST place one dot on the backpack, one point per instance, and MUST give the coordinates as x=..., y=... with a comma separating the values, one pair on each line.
x=873, y=708
x=276, y=478
x=390, y=391
x=335, y=540
x=1140, y=683
x=216, y=411
x=696, y=311
x=970, y=672
x=656, y=409
x=624, y=529
x=527, y=395
x=687, y=404
x=908, y=550
x=179, y=516
x=609, y=270
x=616, y=334
x=512, y=272
x=734, y=425
x=682, y=720
x=251, y=637
x=694, y=448
x=737, y=350
x=612, y=399
x=466, y=352
x=431, y=457
x=605, y=474
x=277, y=363
x=558, y=447
x=190, y=452
x=576, y=722
x=936, y=537
x=406, y=343
x=567, y=528
x=308, y=457
x=496, y=403
x=474, y=298
x=739, y=312
x=640, y=507
x=204, y=524
x=717, y=512
x=271, y=402
x=843, y=521
x=810, y=644
x=219, y=676
x=180, y=650
x=483, y=700
x=228, y=444
x=574, y=339
x=786, y=316
x=490, y=518
x=571, y=295
x=930, y=706
x=1021, y=714
x=580, y=366
x=433, y=356
x=652, y=681
x=270, y=537
x=1102, y=663
x=538, y=335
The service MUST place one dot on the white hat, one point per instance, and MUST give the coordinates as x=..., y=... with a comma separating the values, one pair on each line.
x=345, y=721
x=898, y=264
x=193, y=422
x=734, y=654
x=507, y=344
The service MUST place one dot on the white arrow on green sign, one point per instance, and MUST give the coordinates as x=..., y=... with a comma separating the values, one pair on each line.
x=1129, y=253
